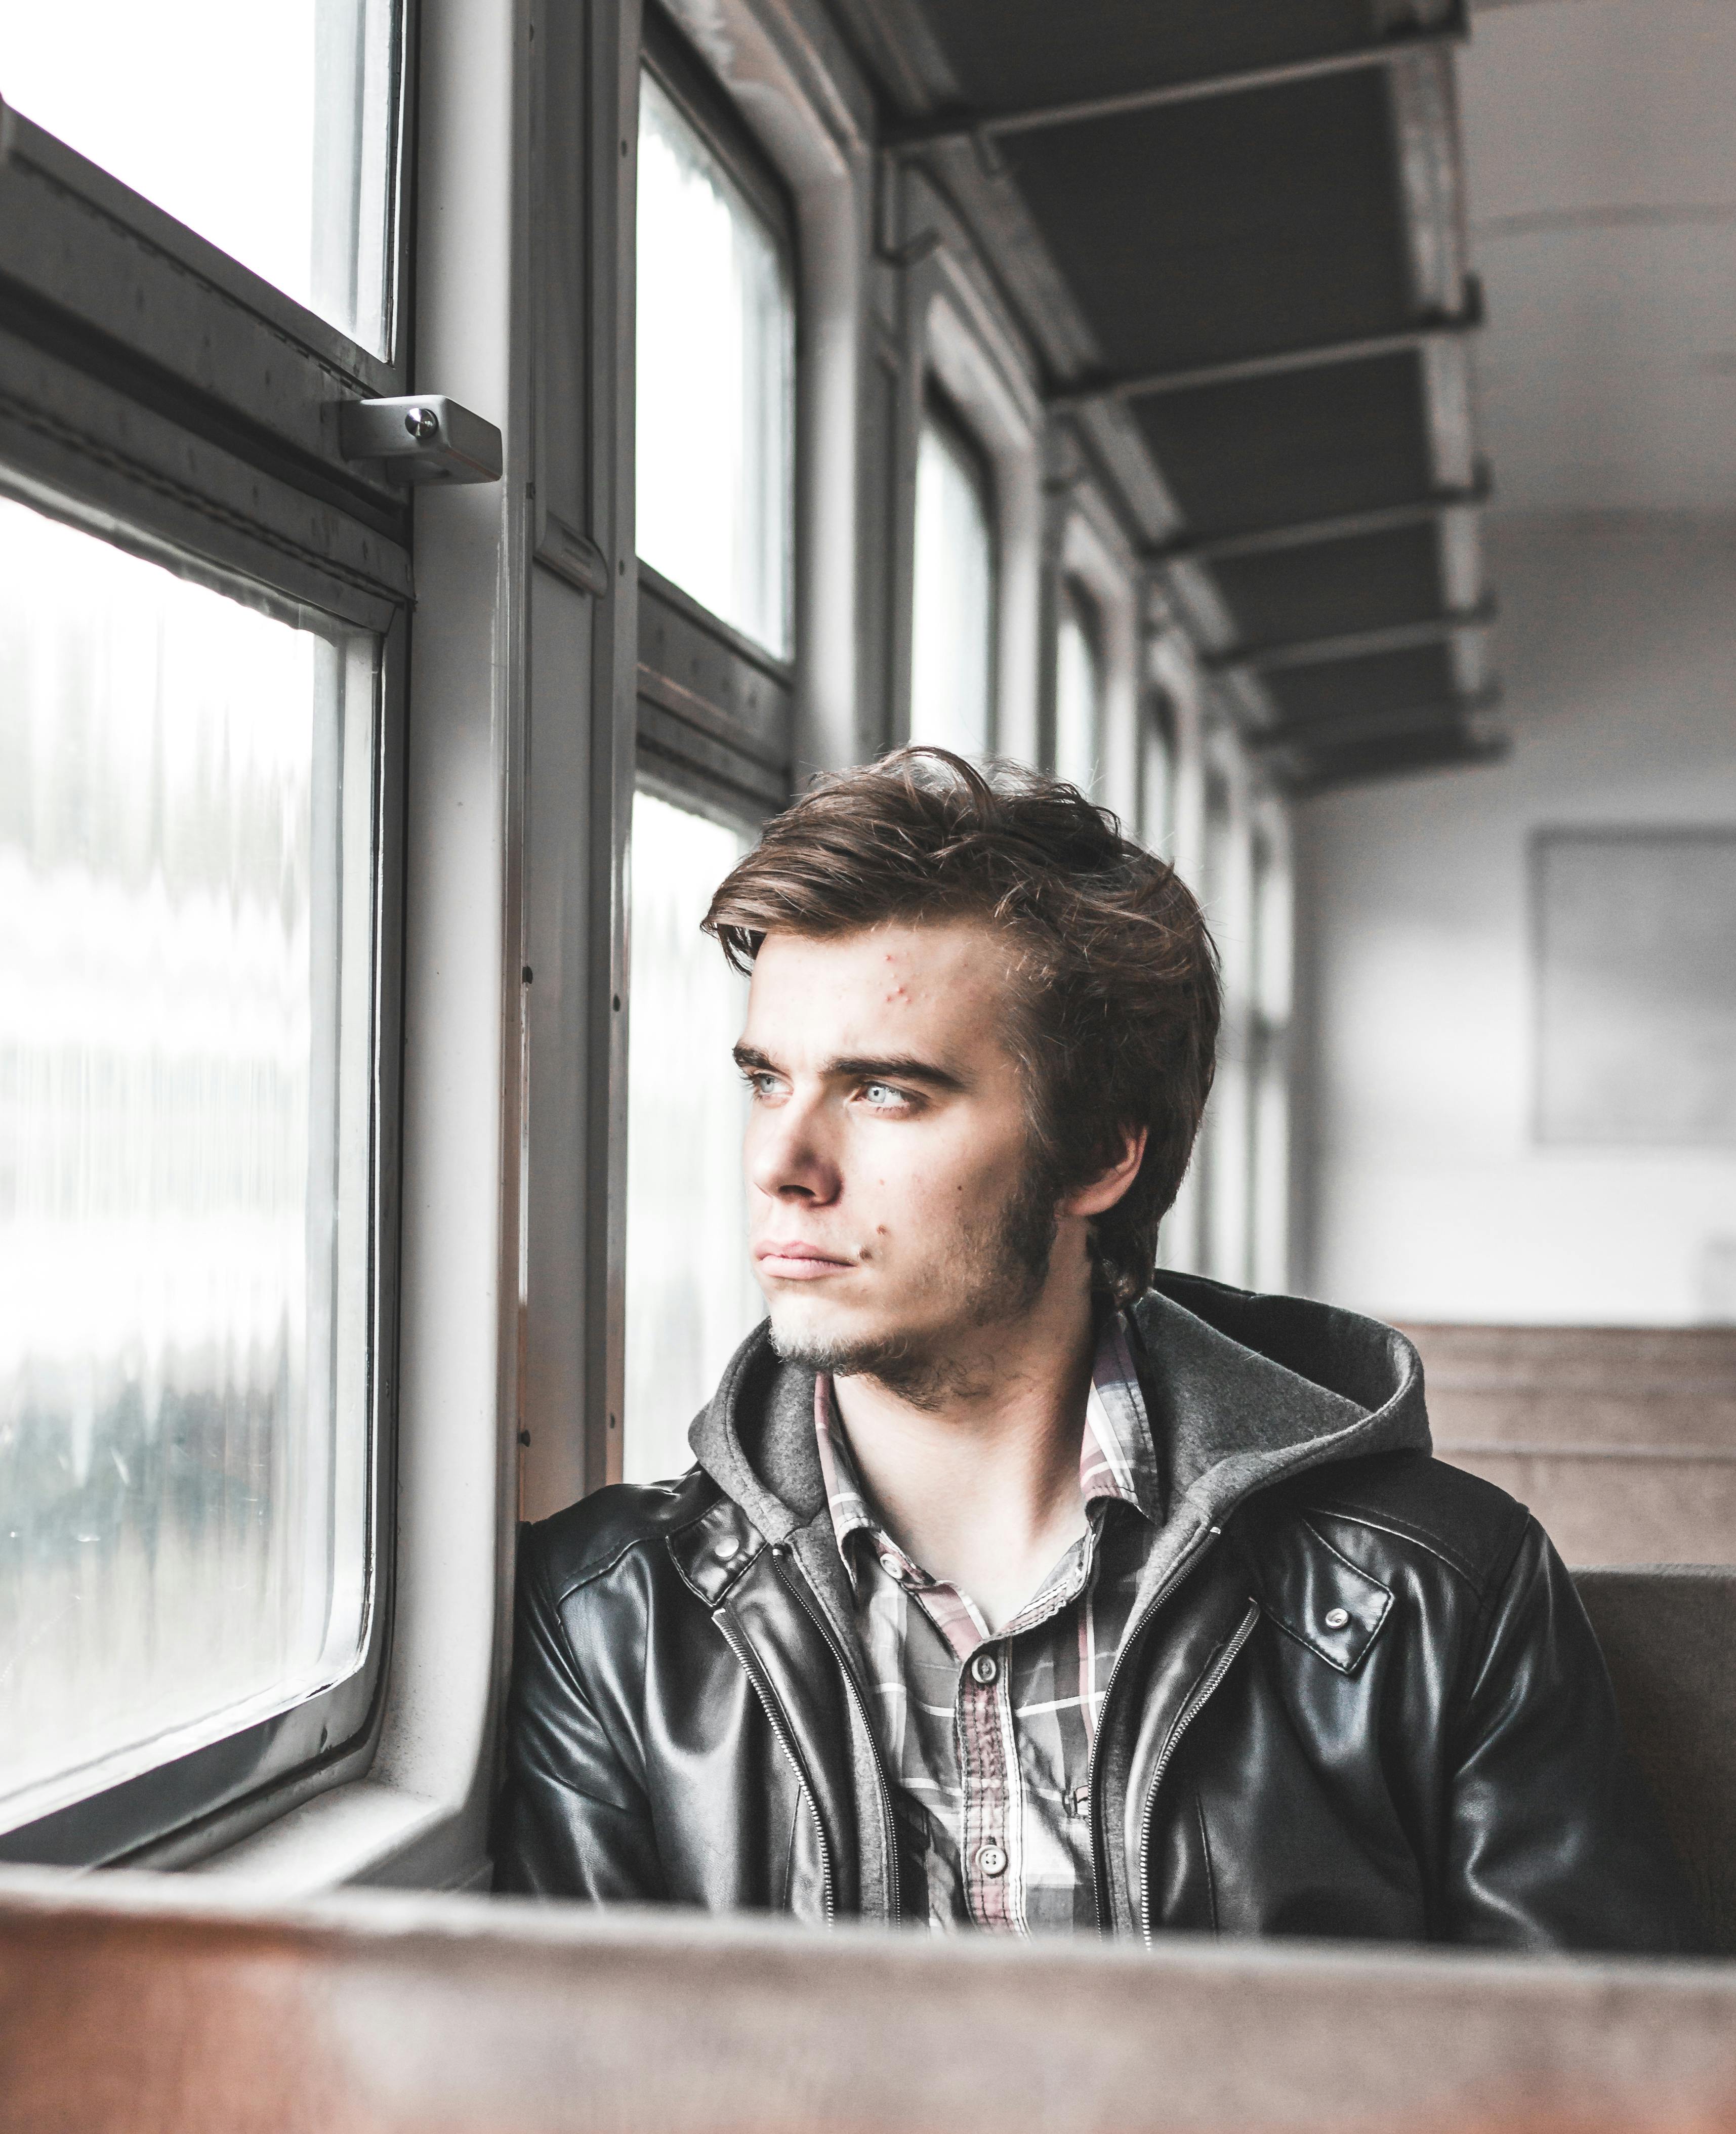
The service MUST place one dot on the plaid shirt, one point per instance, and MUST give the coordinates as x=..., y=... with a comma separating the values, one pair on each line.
x=987, y=1740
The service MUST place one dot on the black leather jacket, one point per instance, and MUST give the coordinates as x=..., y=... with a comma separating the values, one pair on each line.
x=1359, y=1696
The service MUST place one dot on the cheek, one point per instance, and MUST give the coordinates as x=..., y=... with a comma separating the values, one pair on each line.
x=932, y=1184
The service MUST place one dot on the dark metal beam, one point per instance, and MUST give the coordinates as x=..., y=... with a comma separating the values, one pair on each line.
x=1312, y=533
x=1348, y=728
x=1451, y=748
x=1353, y=644
x=1230, y=371
x=984, y=126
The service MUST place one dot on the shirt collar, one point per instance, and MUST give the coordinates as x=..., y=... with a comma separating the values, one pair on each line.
x=1117, y=1456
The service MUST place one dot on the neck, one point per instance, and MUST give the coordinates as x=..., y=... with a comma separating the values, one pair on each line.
x=978, y=1480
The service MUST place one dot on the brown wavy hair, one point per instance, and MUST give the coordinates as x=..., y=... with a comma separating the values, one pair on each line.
x=1115, y=978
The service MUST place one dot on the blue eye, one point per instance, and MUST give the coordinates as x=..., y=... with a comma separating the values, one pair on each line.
x=881, y=1095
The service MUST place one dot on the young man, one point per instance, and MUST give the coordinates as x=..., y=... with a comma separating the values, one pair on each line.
x=1017, y=1586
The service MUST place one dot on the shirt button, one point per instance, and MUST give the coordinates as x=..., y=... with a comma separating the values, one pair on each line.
x=983, y=1668
x=992, y=1857
x=1335, y=1619
x=892, y=1567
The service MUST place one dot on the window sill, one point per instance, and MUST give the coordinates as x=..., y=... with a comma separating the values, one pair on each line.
x=365, y=1831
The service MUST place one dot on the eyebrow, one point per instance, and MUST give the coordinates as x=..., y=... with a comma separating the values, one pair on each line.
x=893, y=1067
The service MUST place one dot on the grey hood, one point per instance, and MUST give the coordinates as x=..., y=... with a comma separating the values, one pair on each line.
x=1243, y=1391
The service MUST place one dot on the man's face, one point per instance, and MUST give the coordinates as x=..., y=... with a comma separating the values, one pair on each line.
x=888, y=1148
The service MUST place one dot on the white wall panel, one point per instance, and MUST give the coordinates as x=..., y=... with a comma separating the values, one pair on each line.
x=1431, y=1196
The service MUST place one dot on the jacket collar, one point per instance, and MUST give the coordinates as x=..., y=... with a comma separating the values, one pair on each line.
x=1241, y=1391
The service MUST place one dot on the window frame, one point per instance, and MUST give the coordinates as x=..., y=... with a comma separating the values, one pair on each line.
x=1159, y=750
x=1226, y=1146
x=714, y=713
x=1080, y=604
x=157, y=394
x=1272, y=1012
x=716, y=710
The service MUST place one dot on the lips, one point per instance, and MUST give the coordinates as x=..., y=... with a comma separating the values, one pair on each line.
x=790, y=1259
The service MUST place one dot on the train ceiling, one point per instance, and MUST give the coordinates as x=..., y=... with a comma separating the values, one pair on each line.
x=1235, y=231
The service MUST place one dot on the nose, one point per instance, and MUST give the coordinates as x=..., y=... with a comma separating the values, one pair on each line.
x=788, y=1152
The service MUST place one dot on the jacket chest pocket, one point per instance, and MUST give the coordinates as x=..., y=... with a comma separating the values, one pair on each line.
x=1181, y=1886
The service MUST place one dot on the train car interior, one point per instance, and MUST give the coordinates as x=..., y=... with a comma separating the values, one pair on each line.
x=465, y=466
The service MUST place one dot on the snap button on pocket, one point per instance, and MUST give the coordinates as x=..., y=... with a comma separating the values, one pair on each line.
x=1335, y=1619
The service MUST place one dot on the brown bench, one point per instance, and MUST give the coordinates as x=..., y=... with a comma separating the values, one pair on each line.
x=128, y=2008
x=1622, y=1439
x=136, y=2004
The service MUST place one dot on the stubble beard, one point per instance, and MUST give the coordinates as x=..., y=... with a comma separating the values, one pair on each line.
x=1003, y=1264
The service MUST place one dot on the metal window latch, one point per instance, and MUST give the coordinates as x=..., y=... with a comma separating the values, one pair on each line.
x=422, y=437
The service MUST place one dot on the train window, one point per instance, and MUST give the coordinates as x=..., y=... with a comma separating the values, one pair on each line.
x=203, y=619
x=1078, y=688
x=1269, y=1064
x=716, y=356
x=1220, y=1159
x=186, y=1046
x=1157, y=774
x=270, y=131
x=689, y=1295
x=951, y=693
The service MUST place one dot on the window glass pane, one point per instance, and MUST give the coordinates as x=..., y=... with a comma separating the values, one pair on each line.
x=269, y=130
x=952, y=629
x=716, y=382
x=1158, y=777
x=1225, y=1143
x=1078, y=694
x=691, y=1295
x=184, y=1049
x=1269, y=1070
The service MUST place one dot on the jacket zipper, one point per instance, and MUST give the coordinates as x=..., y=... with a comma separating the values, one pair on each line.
x=1190, y=1711
x=816, y=1615
x=1201, y=1542
x=786, y=1740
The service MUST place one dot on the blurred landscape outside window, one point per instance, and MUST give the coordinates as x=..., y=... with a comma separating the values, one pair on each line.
x=951, y=691
x=716, y=355
x=271, y=131
x=691, y=1295
x=185, y=1049
x=1078, y=691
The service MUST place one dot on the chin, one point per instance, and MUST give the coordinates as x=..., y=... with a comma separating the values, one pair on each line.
x=847, y=1343
x=800, y=1321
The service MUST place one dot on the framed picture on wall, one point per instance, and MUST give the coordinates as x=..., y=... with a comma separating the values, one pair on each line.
x=1634, y=940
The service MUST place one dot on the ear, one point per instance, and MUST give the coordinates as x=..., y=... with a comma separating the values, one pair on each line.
x=1102, y=1193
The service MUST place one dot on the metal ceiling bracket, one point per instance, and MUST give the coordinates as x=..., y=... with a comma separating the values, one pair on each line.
x=1456, y=750
x=1354, y=644
x=992, y=163
x=1230, y=370
x=422, y=437
x=1312, y=533
x=1351, y=727
x=904, y=257
x=928, y=134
